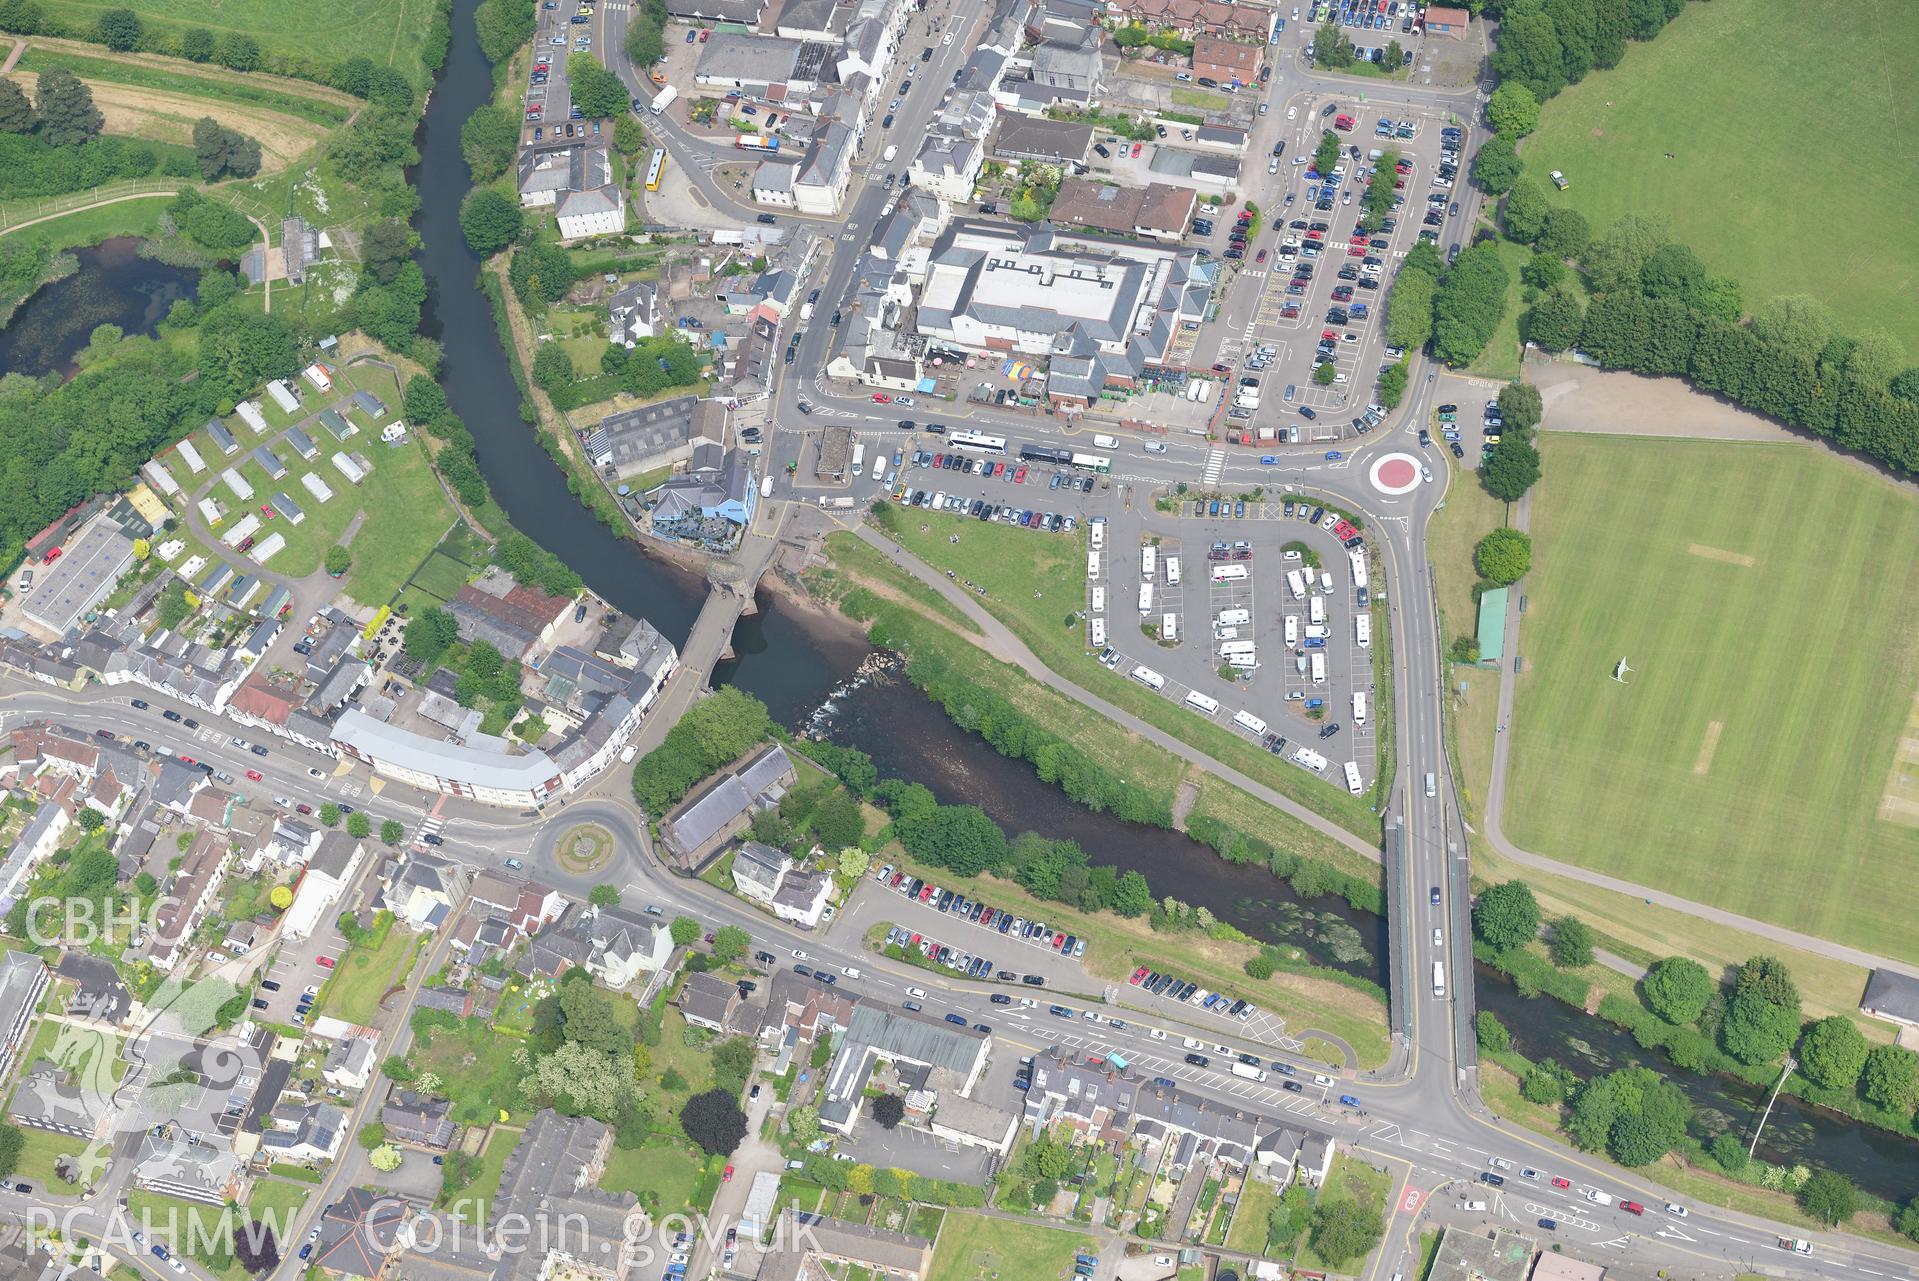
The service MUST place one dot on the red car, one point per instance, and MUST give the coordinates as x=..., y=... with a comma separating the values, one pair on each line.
x=1561, y=1183
x=266, y=509
x=1138, y=975
x=187, y=760
x=1632, y=1207
x=1356, y=251
x=1260, y=256
x=1315, y=235
x=1136, y=147
x=1019, y=477
x=303, y=808
x=324, y=962
x=881, y=398
x=255, y=775
x=53, y=554
x=726, y=1175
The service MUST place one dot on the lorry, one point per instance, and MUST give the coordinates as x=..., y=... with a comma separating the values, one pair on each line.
x=663, y=99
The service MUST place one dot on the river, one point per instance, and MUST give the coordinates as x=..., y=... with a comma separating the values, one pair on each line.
x=1884, y=1164
x=113, y=286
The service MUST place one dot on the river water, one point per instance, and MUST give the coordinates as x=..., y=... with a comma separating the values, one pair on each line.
x=113, y=286
x=803, y=667
x=1881, y=1163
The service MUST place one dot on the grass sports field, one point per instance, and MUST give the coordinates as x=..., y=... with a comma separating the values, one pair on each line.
x=1761, y=594
x=1791, y=167
x=388, y=31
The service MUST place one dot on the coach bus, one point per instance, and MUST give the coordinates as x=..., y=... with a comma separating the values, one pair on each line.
x=1098, y=463
x=976, y=442
x=1045, y=454
x=656, y=169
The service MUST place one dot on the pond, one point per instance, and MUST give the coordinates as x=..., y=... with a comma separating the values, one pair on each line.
x=114, y=286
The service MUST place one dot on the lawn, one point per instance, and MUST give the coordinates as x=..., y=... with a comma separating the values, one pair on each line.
x=975, y=1248
x=1501, y=358
x=474, y=1202
x=188, y=1228
x=276, y=1202
x=1746, y=760
x=1032, y=583
x=664, y=1173
x=366, y=973
x=476, y=1068
x=91, y=226
x=1350, y=1179
x=391, y=34
x=42, y=1148
x=1733, y=93
x=1468, y=515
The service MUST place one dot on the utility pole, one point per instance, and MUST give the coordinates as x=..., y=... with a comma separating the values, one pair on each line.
x=1784, y=1072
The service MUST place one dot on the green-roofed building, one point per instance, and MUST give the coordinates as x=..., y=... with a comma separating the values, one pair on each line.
x=1492, y=626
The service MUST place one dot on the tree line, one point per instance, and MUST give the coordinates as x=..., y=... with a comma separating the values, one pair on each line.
x=53, y=144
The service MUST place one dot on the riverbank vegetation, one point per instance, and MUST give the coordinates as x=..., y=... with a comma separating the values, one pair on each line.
x=1032, y=584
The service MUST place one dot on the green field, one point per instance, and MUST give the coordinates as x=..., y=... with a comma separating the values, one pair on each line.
x=293, y=97
x=1350, y=1179
x=366, y=973
x=1761, y=595
x=1738, y=91
x=390, y=32
x=975, y=1248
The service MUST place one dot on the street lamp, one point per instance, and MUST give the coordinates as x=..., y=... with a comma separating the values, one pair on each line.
x=1784, y=1072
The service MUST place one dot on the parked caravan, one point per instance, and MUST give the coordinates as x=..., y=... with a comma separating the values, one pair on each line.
x=1148, y=677
x=1202, y=703
x=1249, y=722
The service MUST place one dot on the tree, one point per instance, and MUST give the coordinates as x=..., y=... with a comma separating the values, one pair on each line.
x=359, y=826
x=329, y=815
x=219, y=150
x=1635, y=1142
x=1510, y=469
x=714, y=1121
x=1834, y=1053
x=338, y=560
x=1521, y=406
x=1542, y=272
x=552, y=368
x=385, y=1158
x=595, y=90
x=1767, y=977
x=730, y=943
x=1469, y=304
x=491, y=221
x=1556, y=319
x=853, y=862
x=1506, y=915
x=1491, y=1032
x=488, y=140
x=1513, y=110
x=837, y=822
x=1331, y=48
x=16, y=113
x=644, y=42
x=604, y=895
x=1524, y=214
x=91, y=819
x=1613, y=261
x=392, y=831
x=1343, y=1230
x=386, y=247
x=1677, y=989
x=280, y=896
x=120, y=29
x=889, y=1110
x=803, y=1125
x=629, y=137
x=1907, y=1220
x=1530, y=53
x=1876, y=358
x=1892, y=1077
x=1504, y=555
x=1496, y=165
x=1544, y=1083
x=1409, y=306
x=196, y=44
x=1326, y=155
x=1565, y=234
x=1756, y=1030
x=1132, y=896
x=1571, y=943
x=239, y=52
x=684, y=931
x=960, y=838
x=429, y=635
x=372, y=1136
x=67, y=114
x=255, y=1248
x=1829, y=1197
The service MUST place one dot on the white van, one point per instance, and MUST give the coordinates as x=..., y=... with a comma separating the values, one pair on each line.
x=1200, y=702
x=1226, y=633
x=1363, y=630
x=1099, y=600
x=1172, y=571
x=1439, y=978
x=1249, y=722
x=1148, y=677
x=1169, y=627
x=1432, y=784
x=889, y=155
x=1106, y=442
x=1359, y=707
x=1353, y=783
x=1318, y=631
x=1326, y=582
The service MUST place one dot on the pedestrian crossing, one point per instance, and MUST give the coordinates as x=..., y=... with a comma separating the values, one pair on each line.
x=1215, y=464
x=430, y=826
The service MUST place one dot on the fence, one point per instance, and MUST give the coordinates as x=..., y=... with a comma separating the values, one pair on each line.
x=15, y=214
